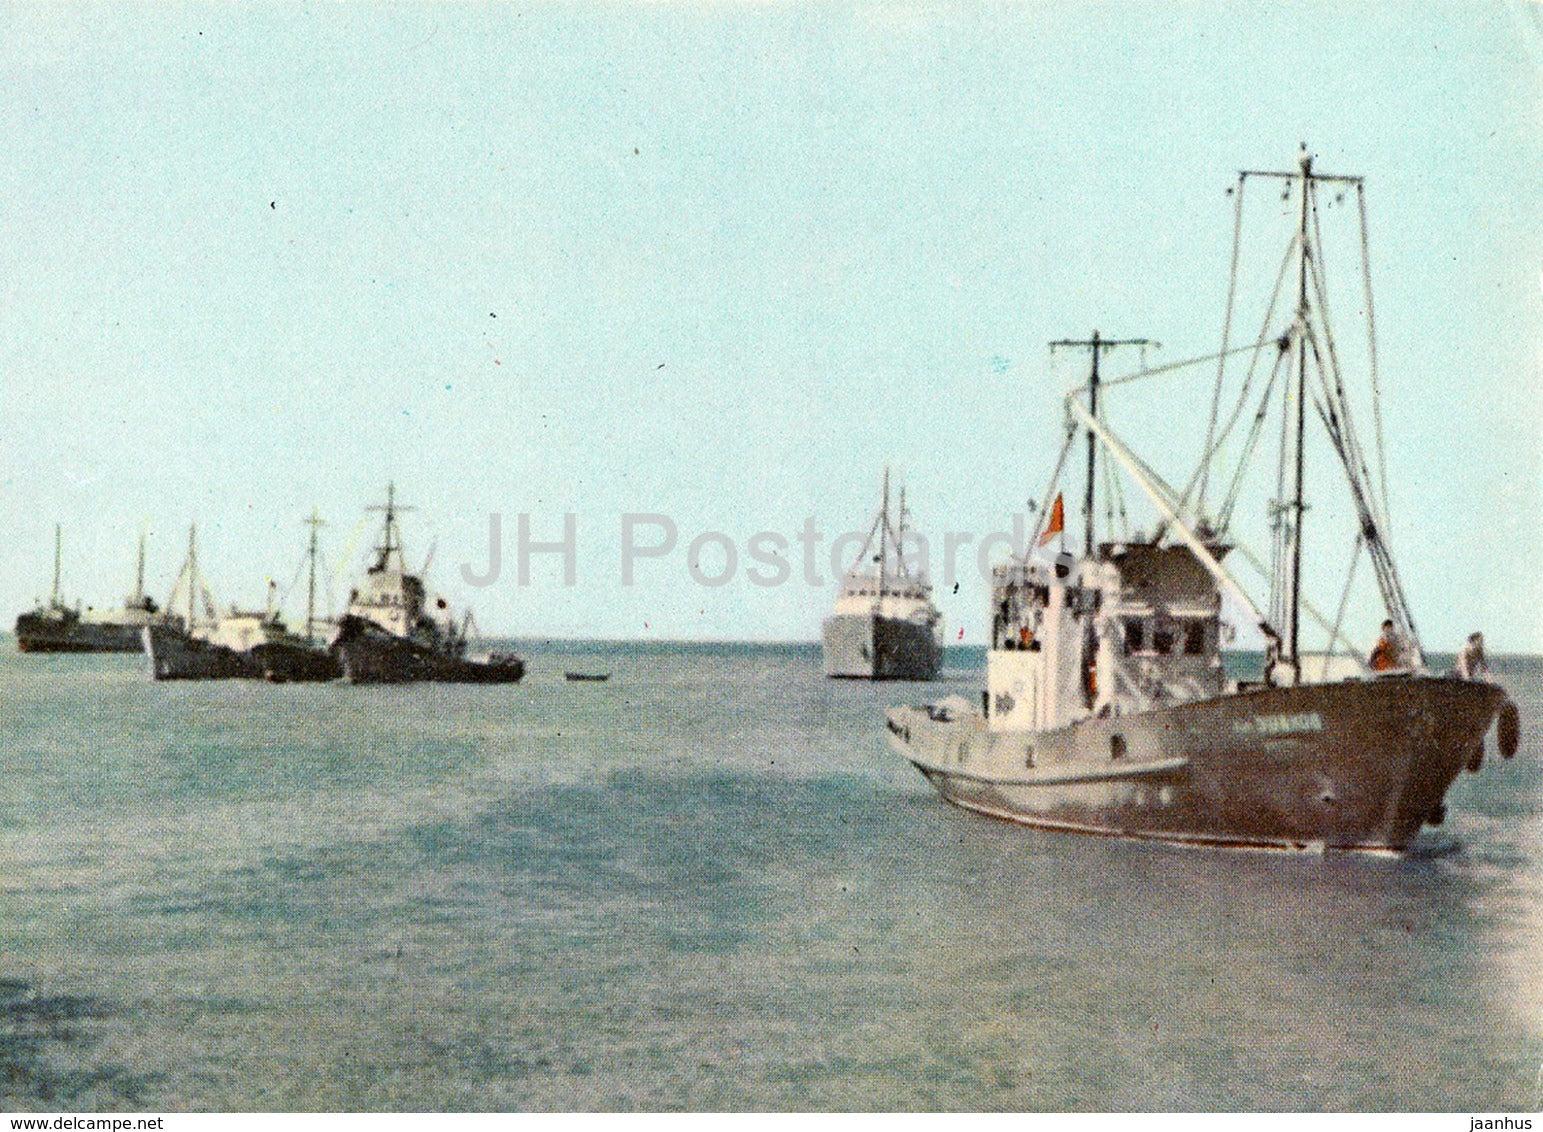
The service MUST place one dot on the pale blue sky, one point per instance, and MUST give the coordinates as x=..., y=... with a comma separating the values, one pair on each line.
x=724, y=262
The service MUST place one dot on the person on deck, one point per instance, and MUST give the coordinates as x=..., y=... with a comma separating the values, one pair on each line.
x=1389, y=653
x=1271, y=655
x=1471, y=662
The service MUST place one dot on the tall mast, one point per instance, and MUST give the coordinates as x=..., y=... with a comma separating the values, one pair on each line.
x=900, y=538
x=1087, y=499
x=313, y=522
x=139, y=574
x=58, y=542
x=883, y=533
x=1095, y=345
x=192, y=571
x=1298, y=507
x=1287, y=584
x=392, y=537
x=390, y=513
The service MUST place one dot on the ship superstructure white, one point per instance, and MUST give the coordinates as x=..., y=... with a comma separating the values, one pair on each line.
x=884, y=626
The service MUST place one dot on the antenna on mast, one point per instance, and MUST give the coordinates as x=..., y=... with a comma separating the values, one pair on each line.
x=315, y=522
x=1096, y=345
x=139, y=574
x=883, y=539
x=391, y=536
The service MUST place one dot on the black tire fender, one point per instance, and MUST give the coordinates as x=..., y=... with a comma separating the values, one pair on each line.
x=1508, y=731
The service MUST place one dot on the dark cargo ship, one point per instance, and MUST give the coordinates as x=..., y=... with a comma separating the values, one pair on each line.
x=56, y=627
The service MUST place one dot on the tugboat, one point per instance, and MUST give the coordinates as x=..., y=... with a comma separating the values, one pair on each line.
x=885, y=626
x=1107, y=709
x=389, y=636
x=56, y=627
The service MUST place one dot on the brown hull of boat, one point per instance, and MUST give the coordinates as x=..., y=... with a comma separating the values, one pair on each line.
x=1357, y=765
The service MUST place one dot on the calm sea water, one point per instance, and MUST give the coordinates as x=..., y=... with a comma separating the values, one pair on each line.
x=705, y=884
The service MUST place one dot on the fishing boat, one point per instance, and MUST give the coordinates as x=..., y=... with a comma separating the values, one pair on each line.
x=884, y=626
x=391, y=634
x=586, y=677
x=1107, y=707
x=57, y=627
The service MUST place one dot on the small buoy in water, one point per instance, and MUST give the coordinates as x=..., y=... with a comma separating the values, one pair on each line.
x=1509, y=730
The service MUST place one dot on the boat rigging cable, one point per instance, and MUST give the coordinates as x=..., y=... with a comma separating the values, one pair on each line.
x=1371, y=338
x=1257, y=347
x=1344, y=600
x=1235, y=488
x=1221, y=361
x=1055, y=476
x=1168, y=367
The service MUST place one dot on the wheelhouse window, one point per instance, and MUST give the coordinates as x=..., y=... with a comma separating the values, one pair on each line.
x=1194, y=639
x=1135, y=636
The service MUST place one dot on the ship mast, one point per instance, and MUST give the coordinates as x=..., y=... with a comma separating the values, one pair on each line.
x=1095, y=345
x=391, y=538
x=58, y=542
x=313, y=522
x=1313, y=370
x=1288, y=567
x=1292, y=648
x=192, y=569
x=139, y=574
x=883, y=538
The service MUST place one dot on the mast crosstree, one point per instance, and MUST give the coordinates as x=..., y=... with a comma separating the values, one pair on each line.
x=1097, y=345
x=391, y=536
x=1309, y=339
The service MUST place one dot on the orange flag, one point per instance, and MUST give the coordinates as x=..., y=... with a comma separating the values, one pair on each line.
x=1057, y=522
